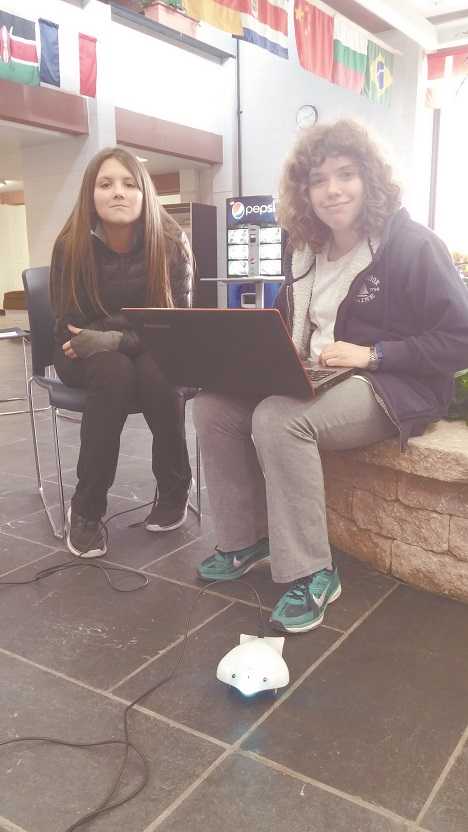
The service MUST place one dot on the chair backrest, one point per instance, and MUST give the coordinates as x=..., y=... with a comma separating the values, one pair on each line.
x=41, y=318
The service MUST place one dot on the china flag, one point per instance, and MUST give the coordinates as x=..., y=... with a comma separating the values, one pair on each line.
x=314, y=38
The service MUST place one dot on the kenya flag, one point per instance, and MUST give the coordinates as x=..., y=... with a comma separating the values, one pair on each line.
x=18, y=53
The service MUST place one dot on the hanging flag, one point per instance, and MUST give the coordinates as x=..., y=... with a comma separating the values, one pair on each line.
x=447, y=63
x=265, y=23
x=49, y=71
x=88, y=66
x=18, y=53
x=349, y=55
x=379, y=74
x=445, y=70
x=314, y=38
x=223, y=14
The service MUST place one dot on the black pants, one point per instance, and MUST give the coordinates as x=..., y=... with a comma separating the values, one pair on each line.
x=116, y=386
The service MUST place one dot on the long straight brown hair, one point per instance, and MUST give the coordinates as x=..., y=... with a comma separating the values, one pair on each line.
x=73, y=267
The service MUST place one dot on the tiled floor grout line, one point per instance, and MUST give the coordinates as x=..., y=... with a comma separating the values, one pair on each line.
x=57, y=673
x=180, y=726
x=444, y=774
x=28, y=539
x=211, y=592
x=173, y=551
x=236, y=745
x=29, y=563
x=351, y=798
x=187, y=792
x=9, y=826
x=168, y=647
x=154, y=715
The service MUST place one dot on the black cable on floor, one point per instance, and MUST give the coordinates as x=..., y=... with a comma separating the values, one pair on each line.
x=105, y=805
x=95, y=564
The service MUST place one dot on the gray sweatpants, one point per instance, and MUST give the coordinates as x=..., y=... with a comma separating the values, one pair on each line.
x=263, y=469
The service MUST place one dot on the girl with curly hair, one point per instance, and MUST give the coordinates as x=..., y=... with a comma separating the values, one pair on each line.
x=366, y=288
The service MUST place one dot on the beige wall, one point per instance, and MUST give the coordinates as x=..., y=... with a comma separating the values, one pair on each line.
x=13, y=246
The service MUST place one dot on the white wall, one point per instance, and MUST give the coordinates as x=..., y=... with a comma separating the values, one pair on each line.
x=451, y=216
x=273, y=89
x=14, y=247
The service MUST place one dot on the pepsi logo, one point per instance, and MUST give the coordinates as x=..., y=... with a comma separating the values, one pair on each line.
x=237, y=210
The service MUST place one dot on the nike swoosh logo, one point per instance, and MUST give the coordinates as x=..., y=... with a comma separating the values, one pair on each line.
x=319, y=599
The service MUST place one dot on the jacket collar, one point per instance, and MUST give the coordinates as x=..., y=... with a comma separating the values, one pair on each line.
x=302, y=261
x=98, y=234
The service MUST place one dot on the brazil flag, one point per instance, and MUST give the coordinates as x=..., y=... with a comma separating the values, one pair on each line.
x=379, y=74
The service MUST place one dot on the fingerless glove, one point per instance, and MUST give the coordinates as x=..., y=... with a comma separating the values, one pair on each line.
x=88, y=342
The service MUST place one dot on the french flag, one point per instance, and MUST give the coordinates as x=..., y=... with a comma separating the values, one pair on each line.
x=265, y=23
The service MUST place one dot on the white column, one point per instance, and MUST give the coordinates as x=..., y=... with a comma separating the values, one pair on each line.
x=52, y=171
x=189, y=184
x=219, y=182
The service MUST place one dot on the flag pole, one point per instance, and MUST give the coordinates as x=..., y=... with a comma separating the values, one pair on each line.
x=434, y=167
x=239, y=122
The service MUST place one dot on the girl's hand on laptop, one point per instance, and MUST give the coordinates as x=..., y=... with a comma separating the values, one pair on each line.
x=342, y=354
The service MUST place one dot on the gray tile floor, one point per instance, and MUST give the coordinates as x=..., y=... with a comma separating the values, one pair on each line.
x=370, y=736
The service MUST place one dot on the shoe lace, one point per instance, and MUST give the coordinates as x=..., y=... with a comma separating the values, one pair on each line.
x=299, y=590
x=309, y=586
x=100, y=529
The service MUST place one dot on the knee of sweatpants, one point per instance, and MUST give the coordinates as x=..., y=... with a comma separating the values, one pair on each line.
x=268, y=422
x=112, y=373
x=207, y=411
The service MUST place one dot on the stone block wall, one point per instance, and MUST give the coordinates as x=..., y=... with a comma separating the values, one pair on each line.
x=405, y=513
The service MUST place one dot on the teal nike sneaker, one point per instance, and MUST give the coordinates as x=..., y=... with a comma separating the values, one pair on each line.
x=227, y=566
x=303, y=606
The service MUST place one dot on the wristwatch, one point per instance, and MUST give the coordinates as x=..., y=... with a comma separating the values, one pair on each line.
x=375, y=357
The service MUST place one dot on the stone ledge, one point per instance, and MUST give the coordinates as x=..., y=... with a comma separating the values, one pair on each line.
x=405, y=513
x=440, y=454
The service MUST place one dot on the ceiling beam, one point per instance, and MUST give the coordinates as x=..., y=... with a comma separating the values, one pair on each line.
x=398, y=16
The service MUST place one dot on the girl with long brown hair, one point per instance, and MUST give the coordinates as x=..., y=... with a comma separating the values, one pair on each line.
x=119, y=248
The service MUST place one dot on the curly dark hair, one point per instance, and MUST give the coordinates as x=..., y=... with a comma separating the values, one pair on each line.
x=382, y=195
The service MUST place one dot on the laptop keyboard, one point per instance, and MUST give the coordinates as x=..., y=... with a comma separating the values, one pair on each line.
x=318, y=375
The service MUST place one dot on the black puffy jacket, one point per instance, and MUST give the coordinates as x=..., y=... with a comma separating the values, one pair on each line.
x=122, y=282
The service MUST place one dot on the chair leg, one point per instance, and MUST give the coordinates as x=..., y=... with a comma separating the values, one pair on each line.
x=22, y=398
x=60, y=533
x=53, y=374
x=58, y=462
x=197, y=508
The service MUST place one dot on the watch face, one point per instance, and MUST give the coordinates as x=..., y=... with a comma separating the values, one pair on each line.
x=307, y=115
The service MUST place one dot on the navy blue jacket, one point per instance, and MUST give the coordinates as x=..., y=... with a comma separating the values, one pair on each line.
x=412, y=301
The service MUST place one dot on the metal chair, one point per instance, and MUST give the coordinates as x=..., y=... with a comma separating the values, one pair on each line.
x=13, y=333
x=41, y=322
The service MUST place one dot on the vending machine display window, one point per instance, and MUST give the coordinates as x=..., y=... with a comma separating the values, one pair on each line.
x=270, y=234
x=238, y=268
x=238, y=252
x=255, y=248
x=270, y=251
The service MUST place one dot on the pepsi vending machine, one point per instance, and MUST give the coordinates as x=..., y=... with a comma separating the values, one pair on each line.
x=255, y=248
